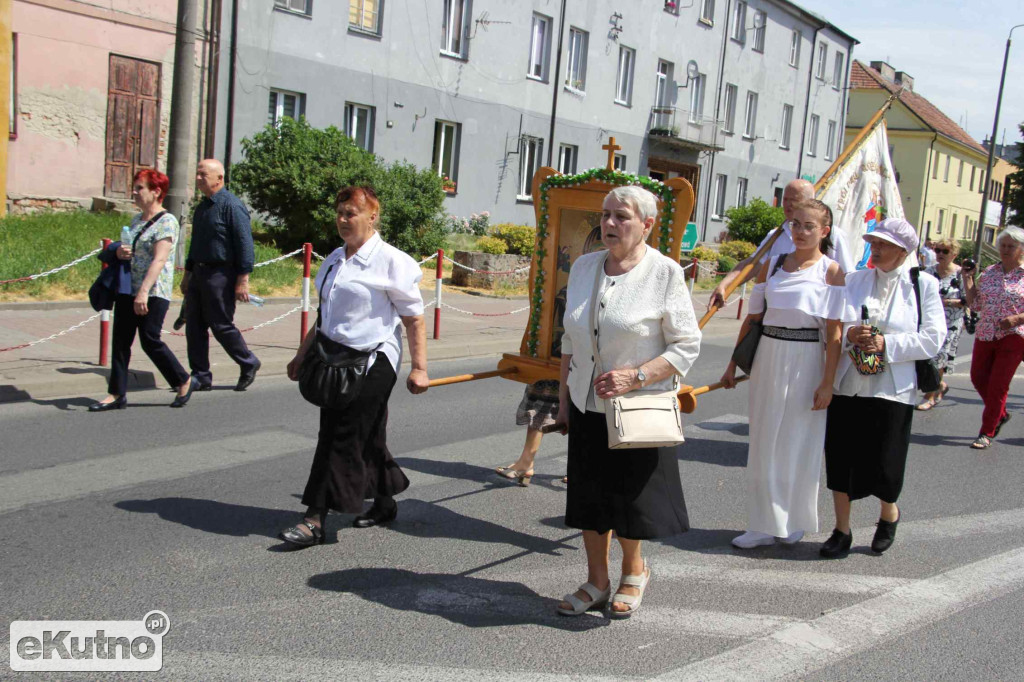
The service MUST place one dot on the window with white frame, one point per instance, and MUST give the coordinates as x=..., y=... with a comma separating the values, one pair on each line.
x=619, y=163
x=456, y=20
x=942, y=219
x=837, y=71
x=973, y=169
x=284, y=103
x=576, y=66
x=952, y=226
x=624, y=77
x=741, y=191
x=945, y=173
x=822, y=60
x=787, y=125
x=731, y=93
x=739, y=22
x=359, y=124
x=663, y=90
x=300, y=6
x=364, y=15
x=760, y=26
x=935, y=165
x=812, y=135
x=721, y=185
x=568, y=154
x=960, y=175
x=707, y=11
x=981, y=183
x=794, y=49
x=830, y=140
x=531, y=149
x=750, y=116
x=446, y=153
x=697, y=98
x=540, y=47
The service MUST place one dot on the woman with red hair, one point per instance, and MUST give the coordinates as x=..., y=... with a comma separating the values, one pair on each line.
x=153, y=234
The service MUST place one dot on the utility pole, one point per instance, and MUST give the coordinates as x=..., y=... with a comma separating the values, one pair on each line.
x=6, y=67
x=179, y=167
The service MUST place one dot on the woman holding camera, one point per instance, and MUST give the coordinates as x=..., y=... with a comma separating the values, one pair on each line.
x=951, y=290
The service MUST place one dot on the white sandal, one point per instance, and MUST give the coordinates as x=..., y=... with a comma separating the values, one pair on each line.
x=579, y=607
x=631, y=600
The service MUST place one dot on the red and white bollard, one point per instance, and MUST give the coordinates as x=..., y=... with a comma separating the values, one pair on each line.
x=307, y=256
x=693, y=274
x=104, y=321
x=739, y=308
x=437, y=294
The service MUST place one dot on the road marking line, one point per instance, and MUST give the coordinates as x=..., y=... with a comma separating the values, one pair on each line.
x=805, y=581
x=800, y=649
x=712, y=623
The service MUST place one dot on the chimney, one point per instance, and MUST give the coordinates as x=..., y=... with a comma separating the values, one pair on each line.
x=887, y=71
x=905, y=79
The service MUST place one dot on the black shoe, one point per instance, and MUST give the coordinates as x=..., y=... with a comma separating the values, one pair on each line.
x=376, y=516
x=180, y=400
x=837, y=546
x=246, y=378
x=294, y=536
x=1002, y=421
x=119, y=403
x=885, y=534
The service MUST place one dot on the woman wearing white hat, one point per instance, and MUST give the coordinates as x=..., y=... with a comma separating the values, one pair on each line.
x=868, y=425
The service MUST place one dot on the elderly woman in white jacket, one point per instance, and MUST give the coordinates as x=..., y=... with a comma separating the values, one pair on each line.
x=868, y=425
x=647, y=336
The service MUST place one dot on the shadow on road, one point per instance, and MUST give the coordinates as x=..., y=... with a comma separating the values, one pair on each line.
x=221, y=518
x=722, y=453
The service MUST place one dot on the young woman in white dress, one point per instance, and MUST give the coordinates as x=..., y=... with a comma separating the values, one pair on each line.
x=799, y=302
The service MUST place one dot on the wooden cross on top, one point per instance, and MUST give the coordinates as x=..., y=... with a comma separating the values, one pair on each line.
x=612, y=148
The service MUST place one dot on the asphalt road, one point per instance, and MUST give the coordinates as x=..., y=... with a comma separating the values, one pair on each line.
x=110, y=516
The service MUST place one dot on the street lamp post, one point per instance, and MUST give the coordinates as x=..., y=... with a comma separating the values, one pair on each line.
x=992, y=149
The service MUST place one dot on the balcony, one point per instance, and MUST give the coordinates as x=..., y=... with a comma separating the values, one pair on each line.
x=678, y=128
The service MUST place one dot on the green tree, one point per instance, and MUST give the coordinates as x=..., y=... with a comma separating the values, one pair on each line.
x=1015, y=188
x=751, y=223
x=292, y=172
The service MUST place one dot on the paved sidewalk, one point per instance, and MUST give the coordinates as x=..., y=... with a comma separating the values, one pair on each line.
x=68, y=365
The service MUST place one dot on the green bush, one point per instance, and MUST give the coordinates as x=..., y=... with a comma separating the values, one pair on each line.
x=520, y=239
x=292, y=172
x=491, y=245
x=704, y=253
x=737, y=250
x=726, y=263
x=751, y=223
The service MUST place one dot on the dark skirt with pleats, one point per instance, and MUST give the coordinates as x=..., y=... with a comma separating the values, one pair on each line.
x=636, y=493
x=866, y=444
x=352, y=461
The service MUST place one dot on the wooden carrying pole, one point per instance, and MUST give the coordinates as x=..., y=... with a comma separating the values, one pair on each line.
x=461, y=378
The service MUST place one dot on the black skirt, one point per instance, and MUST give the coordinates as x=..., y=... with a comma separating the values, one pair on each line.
x=866, y=445
x=636, y=493
x=352, y=461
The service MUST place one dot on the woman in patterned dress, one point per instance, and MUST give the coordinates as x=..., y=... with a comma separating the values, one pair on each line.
x=951, y=290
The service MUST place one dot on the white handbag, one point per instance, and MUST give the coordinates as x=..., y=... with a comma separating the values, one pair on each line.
x=642, y=418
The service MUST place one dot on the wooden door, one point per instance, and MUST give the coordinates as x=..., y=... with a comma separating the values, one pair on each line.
x=133, y=122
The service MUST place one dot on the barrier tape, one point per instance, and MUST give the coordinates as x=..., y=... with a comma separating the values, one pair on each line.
x=469, y=312
x=247, y=329
x=279, y=258
x=53, y=336
x=488, y=272
x=54, y=271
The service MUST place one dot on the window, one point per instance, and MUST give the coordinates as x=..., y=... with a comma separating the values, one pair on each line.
x=739, y=22
x=945, y=173
x=567, y=156
x=981, y=183
x=812, y=136
x=540, y=47
x=741, y=191
x=971, y=187
x=990, y=235
x=731, y=93
x=794, y=49
x=697, y=99
x=662, y=83
x=960, y=175
x=721, y=182
x=12, y=99
x=283, y=103
x=837, y=71
x=359, y=124
x=952, y=226
x=750, y=125
x=935, y=165
x=576, y=67
x=830, y=140
x=620, y=163
x=707, y=12
x=942, y=218
x=787, y=125
x=624, y=78
x=364, y=15
x=446, y=153
x=300, y=6
x=822, y=59
x=531, y=149
x=455, y=19
x=760, y=21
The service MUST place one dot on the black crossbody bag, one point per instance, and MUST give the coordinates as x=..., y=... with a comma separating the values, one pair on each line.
x=929, y=379
x=331, y=373
x=746, y=349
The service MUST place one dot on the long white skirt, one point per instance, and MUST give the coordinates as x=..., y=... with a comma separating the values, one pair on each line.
x=787, y=438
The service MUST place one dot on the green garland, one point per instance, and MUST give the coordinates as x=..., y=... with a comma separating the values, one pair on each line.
x=612, y=177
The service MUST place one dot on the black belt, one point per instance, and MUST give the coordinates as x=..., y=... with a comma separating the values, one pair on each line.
x=212, y=264
x=806, y=335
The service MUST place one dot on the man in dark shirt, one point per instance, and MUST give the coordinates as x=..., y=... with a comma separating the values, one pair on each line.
x=217, y=269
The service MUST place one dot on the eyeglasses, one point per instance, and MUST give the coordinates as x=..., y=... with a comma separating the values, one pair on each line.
x=942, y=251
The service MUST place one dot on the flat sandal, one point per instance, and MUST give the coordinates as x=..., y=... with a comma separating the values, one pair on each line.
x=633, y=601
x=579, y=607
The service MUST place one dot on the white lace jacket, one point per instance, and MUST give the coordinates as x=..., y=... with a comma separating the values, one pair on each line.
x=647, y=314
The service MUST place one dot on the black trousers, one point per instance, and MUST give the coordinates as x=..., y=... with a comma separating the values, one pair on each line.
x=210, y=307
x=126, y=322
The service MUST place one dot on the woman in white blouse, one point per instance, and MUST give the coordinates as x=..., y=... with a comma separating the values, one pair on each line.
x=868, y=431
x=647, y=336
x=368, y=290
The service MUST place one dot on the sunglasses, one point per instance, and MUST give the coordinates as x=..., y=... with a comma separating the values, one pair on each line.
x=942, y=251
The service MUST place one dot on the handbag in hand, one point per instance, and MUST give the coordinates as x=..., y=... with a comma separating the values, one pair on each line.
x=929, y=378
x=745, y=350
x=642, y=418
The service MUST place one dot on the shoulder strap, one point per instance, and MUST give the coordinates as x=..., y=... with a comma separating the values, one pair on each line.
x=595, y=306
x=152, y=221
x=778, y=264
x=320, y=294
x=914, y=277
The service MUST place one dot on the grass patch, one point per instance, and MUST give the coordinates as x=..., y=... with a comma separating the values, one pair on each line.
x=460, y=242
